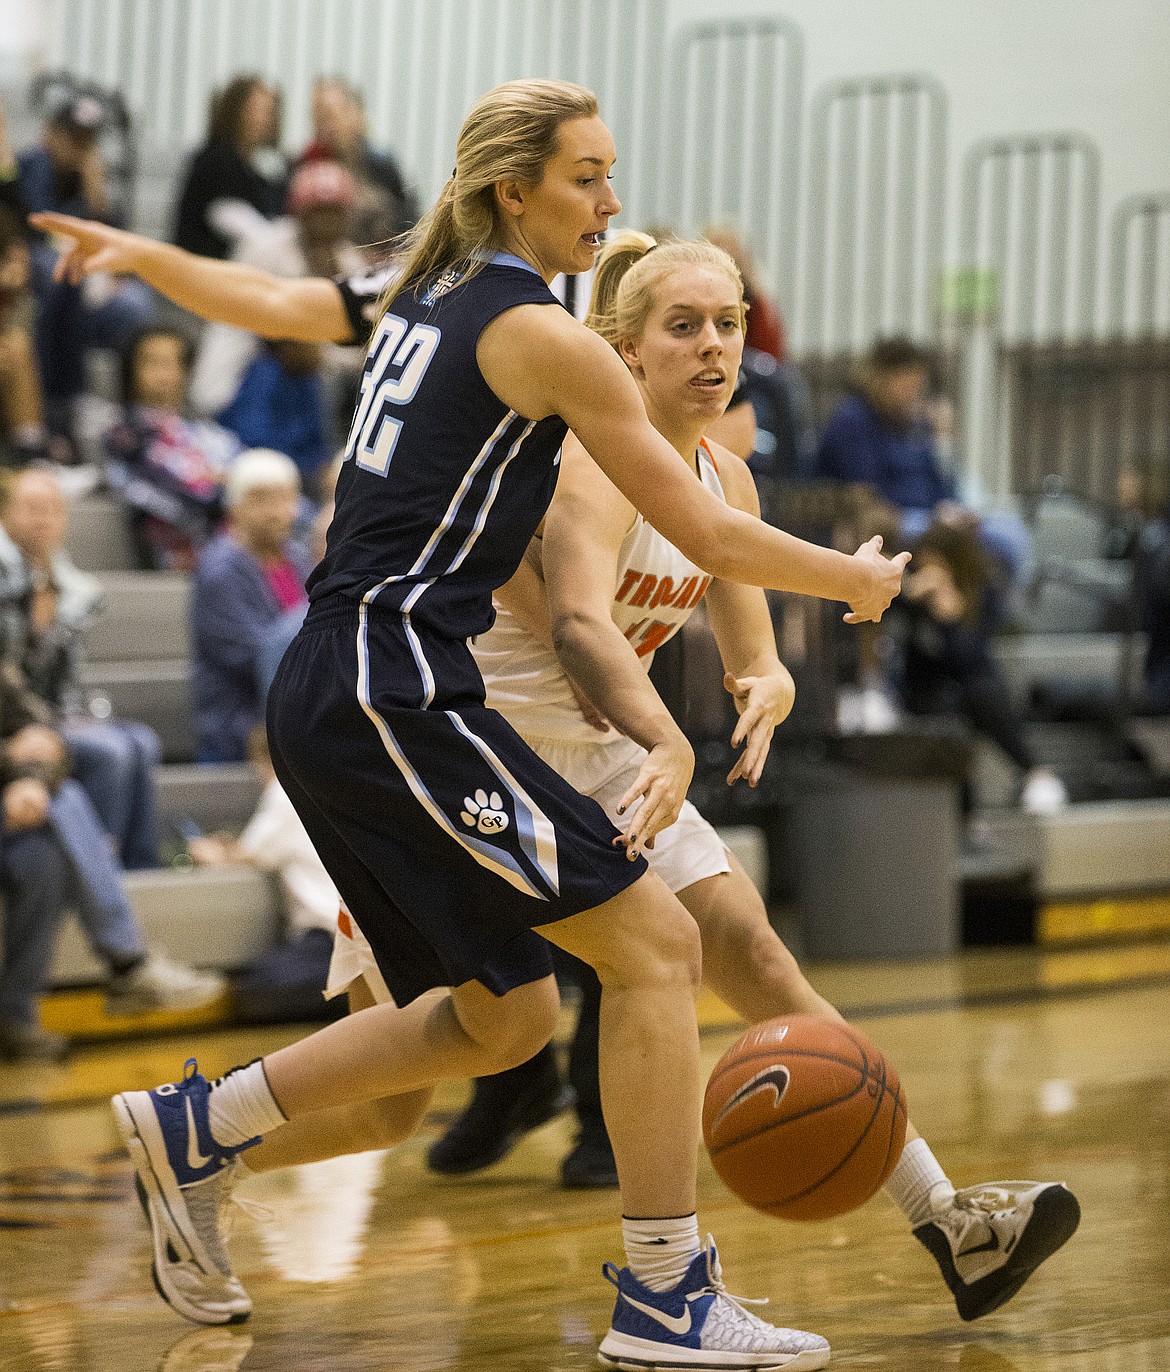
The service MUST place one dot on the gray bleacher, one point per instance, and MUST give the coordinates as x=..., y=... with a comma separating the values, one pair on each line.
x=138, y=660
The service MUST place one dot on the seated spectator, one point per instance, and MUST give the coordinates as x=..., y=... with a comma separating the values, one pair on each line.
x=946, y=662
x=240, y=160
x=246, y=581
x=384, y=205
x=66, y=172
x=288, y=982
x=169, y=469
x=307, y=241
x=22, y=429
x=54, y=857
x=46, y=607
x=881, y=436
x=281, y=405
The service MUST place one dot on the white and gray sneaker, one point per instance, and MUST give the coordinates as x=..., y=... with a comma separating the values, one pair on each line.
x=989, y=1239
x=700, y=1326
x=157, y=983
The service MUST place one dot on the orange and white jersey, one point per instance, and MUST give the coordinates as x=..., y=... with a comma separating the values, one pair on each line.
x=656, y=592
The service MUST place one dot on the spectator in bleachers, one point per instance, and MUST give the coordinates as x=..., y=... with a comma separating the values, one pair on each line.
x=168, y=468
x=946, y=615
x=878, y=436
x=881, y=435
x=384, y=205
x=240, y=160
x=310, y=240
x=22, y=430
x=246, y=581
x=281, y=405
x=46, y=608
x=54, y=856
x=1153, y=592
x=66, y=172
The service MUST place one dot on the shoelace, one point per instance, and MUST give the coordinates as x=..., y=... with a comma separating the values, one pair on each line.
x=716, y=1288
x=231, y=1202
x=991, y=1200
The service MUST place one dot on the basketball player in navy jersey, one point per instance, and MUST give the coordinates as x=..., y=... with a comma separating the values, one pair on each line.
x=457, y=848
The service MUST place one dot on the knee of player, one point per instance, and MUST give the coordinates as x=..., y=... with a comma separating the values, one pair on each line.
x=670, y=952
x=523, y=1036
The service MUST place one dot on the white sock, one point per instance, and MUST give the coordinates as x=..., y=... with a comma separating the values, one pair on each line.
x=242, y=1106
x=914, y=1179
x=659, y=1252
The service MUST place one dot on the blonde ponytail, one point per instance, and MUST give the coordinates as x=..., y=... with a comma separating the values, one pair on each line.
x=510, y=134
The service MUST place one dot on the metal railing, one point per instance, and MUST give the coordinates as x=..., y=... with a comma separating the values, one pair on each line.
x=420, y=63
x=1139, y=267
x=731, y=145
x=876, y=211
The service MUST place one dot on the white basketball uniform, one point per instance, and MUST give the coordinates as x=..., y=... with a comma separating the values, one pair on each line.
x=656, y=591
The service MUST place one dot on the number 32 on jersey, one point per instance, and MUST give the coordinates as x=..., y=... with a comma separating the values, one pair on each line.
x=393, y=371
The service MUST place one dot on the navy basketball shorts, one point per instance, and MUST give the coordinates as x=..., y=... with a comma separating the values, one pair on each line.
x=449, y=840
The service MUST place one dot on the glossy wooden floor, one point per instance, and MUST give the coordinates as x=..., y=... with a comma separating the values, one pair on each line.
x=1015, y=1064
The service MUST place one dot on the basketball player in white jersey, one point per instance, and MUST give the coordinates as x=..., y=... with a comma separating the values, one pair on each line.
x=608, y=589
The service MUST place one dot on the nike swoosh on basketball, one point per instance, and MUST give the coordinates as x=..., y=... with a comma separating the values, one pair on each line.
x=677, y=1324
x=195, y=1159
x=776, y=1078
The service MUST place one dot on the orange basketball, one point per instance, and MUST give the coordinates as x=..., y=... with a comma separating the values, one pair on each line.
x=804, y=1118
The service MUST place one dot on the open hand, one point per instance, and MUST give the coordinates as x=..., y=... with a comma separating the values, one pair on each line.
x=762, y=702
x=654, y=800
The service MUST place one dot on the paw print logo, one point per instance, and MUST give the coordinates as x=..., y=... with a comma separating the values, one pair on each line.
x=485, y=813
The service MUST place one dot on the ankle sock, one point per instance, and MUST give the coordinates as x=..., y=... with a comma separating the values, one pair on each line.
x=241, y=1106
x=659, y=1252
x=912, y=1181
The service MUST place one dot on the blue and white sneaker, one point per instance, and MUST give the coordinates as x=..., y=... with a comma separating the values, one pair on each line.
x=699, y=1325
x=184, y=1178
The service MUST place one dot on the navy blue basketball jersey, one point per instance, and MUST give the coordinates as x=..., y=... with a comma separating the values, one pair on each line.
x=442, y=484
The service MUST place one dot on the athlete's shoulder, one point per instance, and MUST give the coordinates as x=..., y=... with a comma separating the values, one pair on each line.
x=735, y=476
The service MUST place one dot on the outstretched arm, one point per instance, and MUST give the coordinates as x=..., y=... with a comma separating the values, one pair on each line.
x=540, y=361
x=309, y=309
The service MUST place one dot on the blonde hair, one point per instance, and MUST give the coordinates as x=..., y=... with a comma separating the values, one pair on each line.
x=630, y=269
x=510, y=134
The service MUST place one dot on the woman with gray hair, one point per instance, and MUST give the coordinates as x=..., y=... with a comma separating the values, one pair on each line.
x=246, y=581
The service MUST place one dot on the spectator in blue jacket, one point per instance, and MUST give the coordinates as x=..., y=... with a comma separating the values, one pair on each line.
x=281, y=405
x=881, y=436
x=878, y=435
x=246, y=582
